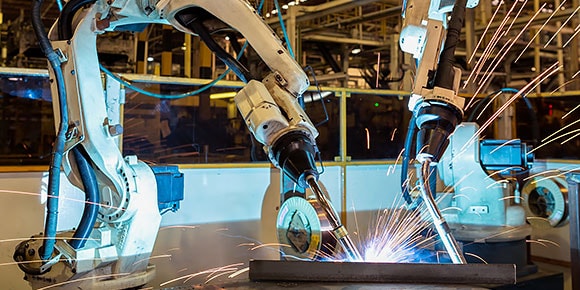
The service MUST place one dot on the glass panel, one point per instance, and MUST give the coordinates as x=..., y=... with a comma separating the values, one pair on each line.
x=538, y=119
x=552, y=115
x=26, y=121
x=376, y=127
x=328, y=140
x=204, y=128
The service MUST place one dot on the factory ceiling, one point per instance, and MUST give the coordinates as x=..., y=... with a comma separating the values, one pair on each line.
x=330, y=31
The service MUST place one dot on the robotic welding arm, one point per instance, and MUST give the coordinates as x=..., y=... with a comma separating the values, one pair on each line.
x=436, y=107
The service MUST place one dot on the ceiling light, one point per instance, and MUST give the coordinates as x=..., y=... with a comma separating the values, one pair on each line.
x=150, y=59
x=225, y=95
x=356, y=50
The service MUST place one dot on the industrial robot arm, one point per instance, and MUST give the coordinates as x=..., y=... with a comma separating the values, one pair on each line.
x=437, y=109
x=120, y=226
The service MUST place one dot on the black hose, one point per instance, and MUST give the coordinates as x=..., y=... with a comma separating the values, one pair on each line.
x=58, y=149
x=193, y=19
x=91, y=209
x=408, y=152
x=445, y=70
x=67, y=14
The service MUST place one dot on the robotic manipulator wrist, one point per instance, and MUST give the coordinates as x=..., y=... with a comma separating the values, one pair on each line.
x=436, y=115
x=278, y=122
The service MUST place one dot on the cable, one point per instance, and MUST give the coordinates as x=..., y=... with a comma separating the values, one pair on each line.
x=59, y=4
x=161, y=96
x=64, y=22
x=91, y=210
x=286, y=38
x=51, y=220
x=444, y=77
x=407, y=153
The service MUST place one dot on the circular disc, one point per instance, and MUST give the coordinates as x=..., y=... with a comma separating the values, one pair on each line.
x=303, y=227
x=546, y=201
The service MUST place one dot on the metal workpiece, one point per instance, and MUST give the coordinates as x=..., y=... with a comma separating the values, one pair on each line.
x=339, y=230
x=440, y=224
x=472, y=274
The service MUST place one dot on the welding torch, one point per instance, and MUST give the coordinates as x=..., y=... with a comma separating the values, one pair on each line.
x=338, y=229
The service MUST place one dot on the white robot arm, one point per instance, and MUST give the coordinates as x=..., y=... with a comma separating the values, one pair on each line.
x=437, y=109
x=118, y=235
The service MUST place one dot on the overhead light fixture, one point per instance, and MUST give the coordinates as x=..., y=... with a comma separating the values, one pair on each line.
x=356, y=50
x=150, y=59
x=227, y=38
x=285, y=6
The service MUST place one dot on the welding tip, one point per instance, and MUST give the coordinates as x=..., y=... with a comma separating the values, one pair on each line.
x=339, y=230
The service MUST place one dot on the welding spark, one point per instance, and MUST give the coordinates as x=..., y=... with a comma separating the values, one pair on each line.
x=151, y=258
x=536, y=242
x=549, y=242
x=178, y=227
x=270, y=245
x=546, y=178
x=392, y=168
x=247, y=244
x=502, y=145
x=243, y=270
x=561, y=86
x=537, y=218
x=45, y=238
x=554, y=68
x=577, y=29
x=562, y=26
x=484, y=33
x=396, y=236
x=58, y=197
x=554, y=139
x=565, y=141
x=539, y=30
x=512, y=197
x=488, y=104
x=84, y=279
x=541, y=173
x=221, y=274
x=208, y=271
x=476, y=256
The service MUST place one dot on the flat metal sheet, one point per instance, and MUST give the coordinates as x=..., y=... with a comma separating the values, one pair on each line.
x=472, y=274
